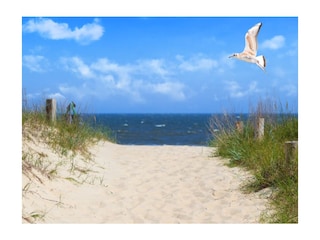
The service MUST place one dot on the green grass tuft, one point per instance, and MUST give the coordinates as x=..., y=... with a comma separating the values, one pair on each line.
x=265, y=158
x=62, y=136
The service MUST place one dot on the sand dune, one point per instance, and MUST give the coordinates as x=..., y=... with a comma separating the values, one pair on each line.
x=143, y=184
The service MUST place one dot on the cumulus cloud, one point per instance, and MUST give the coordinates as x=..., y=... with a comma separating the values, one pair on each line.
x=173, y=89
x=196, y=63
x=274, y=43
x=35, y=63
x=133, y=80
x=104, y=65
x=153, y=66
x=80, y=91
x=236, y=91
x=58, y=96
x=76, y=65
x=49, y=29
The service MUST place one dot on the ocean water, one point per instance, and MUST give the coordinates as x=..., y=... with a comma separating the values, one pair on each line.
x=169, y=129
x=157, y=129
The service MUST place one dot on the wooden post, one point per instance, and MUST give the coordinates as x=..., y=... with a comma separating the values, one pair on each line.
x=260, y=129
x=289, y=148
x=239, y=126
x=51, y=108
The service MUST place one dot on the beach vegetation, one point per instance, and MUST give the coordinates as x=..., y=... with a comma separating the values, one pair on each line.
x=65, y=138
x=49, y=146
x=263, y=156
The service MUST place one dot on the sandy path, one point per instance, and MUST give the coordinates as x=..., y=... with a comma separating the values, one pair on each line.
x=155, y=184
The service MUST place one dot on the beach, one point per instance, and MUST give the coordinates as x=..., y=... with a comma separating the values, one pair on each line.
x=139, y=184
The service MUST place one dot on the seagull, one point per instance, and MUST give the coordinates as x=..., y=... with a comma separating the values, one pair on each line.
x=250, y=50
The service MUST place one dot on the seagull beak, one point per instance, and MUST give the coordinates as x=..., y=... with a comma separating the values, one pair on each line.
x=231, y=55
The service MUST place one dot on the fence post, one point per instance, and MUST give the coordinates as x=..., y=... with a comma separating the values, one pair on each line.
x=51, y=108
x=289, y=148
x=260, y=129
x=239, y=125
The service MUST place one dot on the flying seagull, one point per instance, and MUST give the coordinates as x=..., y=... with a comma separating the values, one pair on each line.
x=250, y=50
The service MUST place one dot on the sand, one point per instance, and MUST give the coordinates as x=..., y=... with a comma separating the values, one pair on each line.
x=140, y=184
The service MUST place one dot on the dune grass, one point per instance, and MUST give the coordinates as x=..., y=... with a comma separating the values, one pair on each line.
x=265, y=157
x=71, y=142
x=65, y=139
x=61, y=135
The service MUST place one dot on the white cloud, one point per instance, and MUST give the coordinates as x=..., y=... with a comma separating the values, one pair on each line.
x=76, y=65
x=172, y=89
x=78, y=92
x=225, y=63
x=32, y=96
x=58, y=96
x=105, y=66
x=196, y=63
x=35, y=63
x=113, y=76
x=236, y=91
x=133, y=80
x=153, y=66
x=57, y=31
x=274, y=43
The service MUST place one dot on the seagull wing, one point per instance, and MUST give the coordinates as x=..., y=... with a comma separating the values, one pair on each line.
x=251, y=46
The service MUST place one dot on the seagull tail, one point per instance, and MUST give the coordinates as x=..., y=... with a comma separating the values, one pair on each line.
x=262, y=61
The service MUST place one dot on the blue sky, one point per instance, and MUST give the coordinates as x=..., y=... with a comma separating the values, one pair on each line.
x=52, y=77
x=158, y=64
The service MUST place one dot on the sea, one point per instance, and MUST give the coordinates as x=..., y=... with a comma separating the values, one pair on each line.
x=157, y=129
x=167, y=129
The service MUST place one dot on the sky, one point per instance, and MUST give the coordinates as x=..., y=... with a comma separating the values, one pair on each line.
x=66, y=66
x=158, y=64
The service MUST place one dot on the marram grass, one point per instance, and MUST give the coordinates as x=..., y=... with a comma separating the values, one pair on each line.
x=264, y=158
